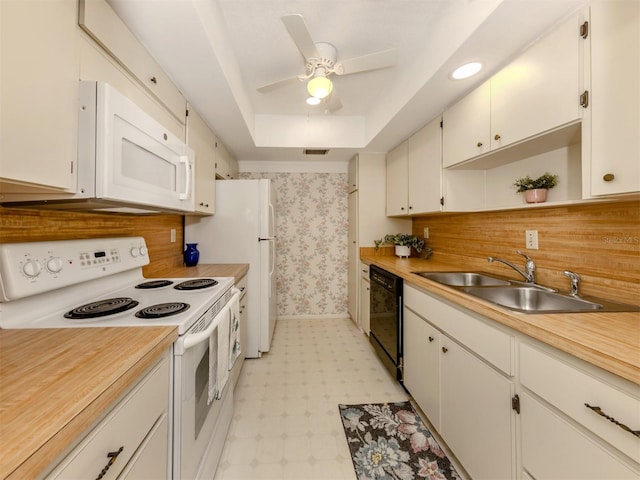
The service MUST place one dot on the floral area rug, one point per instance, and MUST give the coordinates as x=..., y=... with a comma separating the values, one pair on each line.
x=389, y=441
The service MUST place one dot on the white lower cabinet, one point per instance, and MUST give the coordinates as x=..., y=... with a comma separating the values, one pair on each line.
x=465, y=398
x=476, y=415
x=422, y=364
x=365, y=299
x=553, y=417
x=552, y=448
x=132, y=441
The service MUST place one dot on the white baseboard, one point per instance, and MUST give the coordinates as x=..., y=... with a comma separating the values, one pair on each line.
x=314, y=317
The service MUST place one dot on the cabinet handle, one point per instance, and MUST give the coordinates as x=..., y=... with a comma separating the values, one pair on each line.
x=608, y=177
x=599, y=411
x=112, y=458
x=154, y=80
x=496, y=137
x=431, y=339
x=445, y=349
x=479, y=144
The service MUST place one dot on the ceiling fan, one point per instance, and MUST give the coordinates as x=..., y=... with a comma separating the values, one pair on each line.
x=321, y=62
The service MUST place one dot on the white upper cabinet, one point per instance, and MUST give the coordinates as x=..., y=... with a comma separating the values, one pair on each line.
x=226, y=163
x=612, y=157
x=425, y=164
x=466, y=130
x=99, y=20
x=536, y=93
x=397, y=175
x=539, y=90
x=414, y=173
x=39, y=96
x=203, y=142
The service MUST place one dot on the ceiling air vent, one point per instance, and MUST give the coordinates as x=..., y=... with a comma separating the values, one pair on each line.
x=315, y=151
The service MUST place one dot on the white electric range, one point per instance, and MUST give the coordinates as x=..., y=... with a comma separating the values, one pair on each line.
x=99, y=283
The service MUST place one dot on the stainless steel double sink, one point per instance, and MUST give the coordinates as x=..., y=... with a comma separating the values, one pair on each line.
x=523, y=297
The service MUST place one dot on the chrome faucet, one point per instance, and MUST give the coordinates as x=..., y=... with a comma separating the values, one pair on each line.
x=529, y=272
x=575, y=282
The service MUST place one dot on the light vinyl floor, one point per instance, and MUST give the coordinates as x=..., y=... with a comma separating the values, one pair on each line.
x=286, y=423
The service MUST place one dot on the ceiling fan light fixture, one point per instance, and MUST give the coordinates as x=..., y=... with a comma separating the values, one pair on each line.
x=319, y=87
x=313, y=100
x=467, y=70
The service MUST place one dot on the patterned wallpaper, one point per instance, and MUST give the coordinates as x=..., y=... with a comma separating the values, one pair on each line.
x=311, y=248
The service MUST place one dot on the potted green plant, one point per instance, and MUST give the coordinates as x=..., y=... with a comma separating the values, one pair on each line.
x=403, y=243
x=535, y=191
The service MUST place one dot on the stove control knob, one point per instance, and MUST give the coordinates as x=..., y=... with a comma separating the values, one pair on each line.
x=135, y=251
x=54, y=264
x=32, y=268
x=143, y=251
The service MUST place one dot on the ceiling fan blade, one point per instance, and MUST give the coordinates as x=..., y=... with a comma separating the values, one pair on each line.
x=372, y=61
x=270, y=87
x=300, y=34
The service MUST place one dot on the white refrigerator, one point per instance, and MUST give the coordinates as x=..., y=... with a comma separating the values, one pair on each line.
x=242, y=230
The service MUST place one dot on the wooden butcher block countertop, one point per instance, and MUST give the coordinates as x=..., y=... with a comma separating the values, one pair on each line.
x=55, y=383
x=610, y=341
x=236, y=270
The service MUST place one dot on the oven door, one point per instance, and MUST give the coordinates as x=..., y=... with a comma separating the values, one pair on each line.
x=196, y=423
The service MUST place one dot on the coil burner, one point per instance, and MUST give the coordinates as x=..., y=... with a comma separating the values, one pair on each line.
x=102, y=308
x=162, y=310
x=196, y=284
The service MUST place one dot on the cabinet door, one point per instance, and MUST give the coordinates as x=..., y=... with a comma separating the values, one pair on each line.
x=39, y=94
x=353, y=273
x=553, y=449
x=476, y=415
x=425, y=166
x=352, y=175
x=422, y=364
x=539, y=90
x=466, y=127
x=203, y=143
x=224, y=162
x=397, y=175
x=365, y=304
x=615, y=97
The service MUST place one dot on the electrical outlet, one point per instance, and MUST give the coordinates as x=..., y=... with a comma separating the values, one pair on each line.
x=173, y=235
x=426, y=232
x=531, y=239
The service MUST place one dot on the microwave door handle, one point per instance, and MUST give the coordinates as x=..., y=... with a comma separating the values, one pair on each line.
x=191, y=340
x=184, y=159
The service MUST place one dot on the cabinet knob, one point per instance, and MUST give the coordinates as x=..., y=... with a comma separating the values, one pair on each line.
x=445, y=349
x=401, y=208
x=496, y=137
x=608, y=177
x=479, y=144
x=431, y=339
x=154, y=80
x=410, y=207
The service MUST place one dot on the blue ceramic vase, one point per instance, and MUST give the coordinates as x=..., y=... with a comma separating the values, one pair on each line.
x=191, y=255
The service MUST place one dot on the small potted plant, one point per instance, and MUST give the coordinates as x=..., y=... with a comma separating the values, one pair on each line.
x=535, y=191
x=403, y=243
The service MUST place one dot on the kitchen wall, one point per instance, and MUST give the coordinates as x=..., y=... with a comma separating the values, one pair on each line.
x=28, y=225
x=311, y=246
x=599, y=241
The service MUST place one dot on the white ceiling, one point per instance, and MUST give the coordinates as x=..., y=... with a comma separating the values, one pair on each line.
x=218, y=52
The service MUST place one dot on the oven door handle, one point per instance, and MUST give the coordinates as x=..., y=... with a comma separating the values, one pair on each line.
x=190, y=340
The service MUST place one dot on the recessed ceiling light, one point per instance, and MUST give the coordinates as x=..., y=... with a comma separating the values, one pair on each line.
x=467, y=70
x=313, y=101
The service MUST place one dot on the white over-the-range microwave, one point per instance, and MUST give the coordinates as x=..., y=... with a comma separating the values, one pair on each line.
x=127, y=161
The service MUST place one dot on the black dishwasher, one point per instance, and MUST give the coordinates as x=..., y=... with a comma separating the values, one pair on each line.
x=386, y=318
